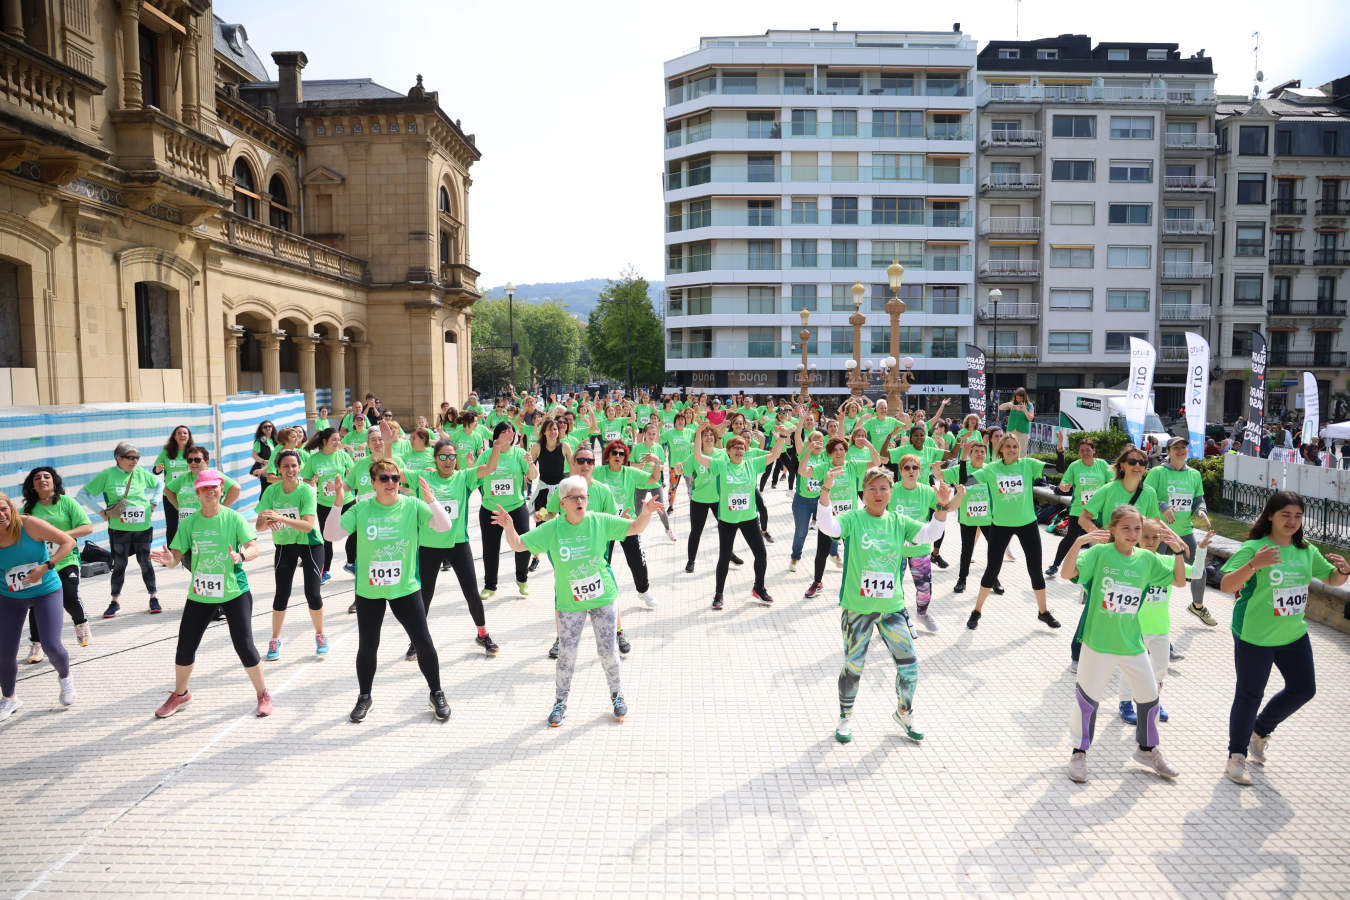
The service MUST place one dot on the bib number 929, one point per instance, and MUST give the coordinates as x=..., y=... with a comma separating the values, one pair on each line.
x=502, y=487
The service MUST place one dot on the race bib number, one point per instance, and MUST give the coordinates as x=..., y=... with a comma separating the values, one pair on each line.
x=185, y=511
x=839, y=507
x=358, y=451
x=14, y=578
x=1156, y=594
x=290, y=512
x=386, y=574
x=588, y=589
x=208, y=585
x=502, y=487
x=1087, y=496
x=1010, y=485
x=1122, y=599
x=451, y=508
x=1290, y=601
x=133, y=515
x=329, y=490
x=813, y=485
x=738, y=502
x=1180, y=502
x=611, y=436
x=52, y=548
x=977, y=509
x=877, y=585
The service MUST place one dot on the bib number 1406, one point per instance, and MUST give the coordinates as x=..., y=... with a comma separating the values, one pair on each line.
x=1290, y=601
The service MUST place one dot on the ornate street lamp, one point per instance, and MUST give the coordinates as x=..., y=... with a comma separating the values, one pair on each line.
x=897, y=382
x=856, y=380
x=806, y=375
x=994, y=296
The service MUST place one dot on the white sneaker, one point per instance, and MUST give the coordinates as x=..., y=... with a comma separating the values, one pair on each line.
x=1154, y=760
x=1078, y=767
x=928, y=622
x=83, y=634
x=906, y=721
x=792, y=565
x=1256, y=749
x=1236, y=770
x=67, y=690
x=843, y=732
x=34, y=652
x=9, y=706
x=647, y=600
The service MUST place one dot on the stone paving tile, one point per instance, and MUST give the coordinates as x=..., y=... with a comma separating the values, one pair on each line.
x=724, y=780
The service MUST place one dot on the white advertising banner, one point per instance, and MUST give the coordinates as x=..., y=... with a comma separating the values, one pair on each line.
x=1143, y=358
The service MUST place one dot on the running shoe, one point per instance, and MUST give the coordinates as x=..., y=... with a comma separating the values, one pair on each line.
x=487, y=593
x=1236, y=770
x=689, y=567
x=717, y=601
x=792, y=565
x=440, y=707
x=411, y=654
x=67, y=691
x=1048, y=618
x=321, y=644
x=523, y=588
x=768, y=538
x=34, y=652
x=906, y=721
x=362, y=707
x=1051, y=570
x=959, y=587
x=814, y=590
x=485, y=641
x=939, y=561
x=670, y=533
x=351, y=610
x=83, y=634
x=1078, y=767
x=1256, y=748
x=926, y=619
x=1155, y=761
x=1127, y=712
x=327, y=577
x=1162, y=713
x=559, y=713
x=974, y=621
x=620, y=708
x=837, y=560
x=113, y=609
x=553, y=651
x=762, y=595
x=1173, y=654
x=264, y=705
x=1073, y=666
x=624, y=646
x=9, y=706
x=172, y=705
x=736, y=560
x=843, y=730
x=1202, y=613
x=155, y=608
x=349, y=567
x=998, y=588
x=273, y=649
x=670, y=509
x=534, y=563
x=647, y=600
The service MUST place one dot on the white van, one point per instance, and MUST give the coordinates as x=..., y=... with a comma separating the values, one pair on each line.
x=1100, y=409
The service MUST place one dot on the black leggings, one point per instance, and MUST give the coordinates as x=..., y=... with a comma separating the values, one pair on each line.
x=324, y=513
x=637, y=560
x=999, y=536
x=698, y=515
x=1071, y=534
x=126, y=544
x=726, y=534
x=284, y=560
x=823, y=545
x=969, y=534
x=786, y=460
x=763, y=512
x=170, y=521
x=492, y=545
x=459, y=556
x=70, y=599
x=412, y=615
x=197, y=615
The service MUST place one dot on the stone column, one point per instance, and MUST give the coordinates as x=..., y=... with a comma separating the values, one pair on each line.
x=304, y=346
x=14, y=18
x=362, y=350
x=271, y=362
x=231, y=361
x=337, y=374
x=131, y=54
x=191, y=111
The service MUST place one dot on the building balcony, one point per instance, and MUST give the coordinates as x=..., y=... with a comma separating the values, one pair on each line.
x=1187, y=184
x=797, y=131
x=778, y=218
x=1173, y=355
x=276, y=245
x=1306, y=307
x=1328, y=257
x=1316, y=358
x=1010, y=269
x=1187, y=228
x=1090, y=93
x=46, y=114
x=1001, y=142
x=778, y=174
x=1017, y=184
x=164, y=161
x=1011, y=225
x=1009, y=312
x=1180, y=143
x=1184, y=313
x=1285, y=257
x=1186, y=271
x=1012, y=354
x=770, y=262
x=1332, y=208
x=1288, y=206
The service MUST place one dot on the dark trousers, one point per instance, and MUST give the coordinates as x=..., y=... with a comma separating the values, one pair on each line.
x=999, y=536
x=70, y=599
x=412, y=615
x=324, y=513
x=198, y=615
x=1071, y=534
x=726, y=535
x=429, y=560
x=171, y=521
x=969, y=534
x=763, y=512
x=824, y=545
x=124, y=545
x=698, y=516
x=284, y=560
x=492, y=545
x=1253, y=663
x=637, y=560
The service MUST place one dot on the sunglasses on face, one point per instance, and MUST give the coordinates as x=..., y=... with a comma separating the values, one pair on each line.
x=617, y=455
x=1136, y=462
x=132, y=458
x=584, y=461
x=909, y=468
x=445, y=456
x=196, y=459
x=386, y=478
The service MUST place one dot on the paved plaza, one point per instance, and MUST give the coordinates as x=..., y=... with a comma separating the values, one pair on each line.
x=724, y=779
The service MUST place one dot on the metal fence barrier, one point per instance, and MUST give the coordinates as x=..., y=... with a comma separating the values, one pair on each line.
x=1324, y=520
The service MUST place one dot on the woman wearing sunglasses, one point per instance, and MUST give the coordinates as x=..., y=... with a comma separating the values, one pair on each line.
x=386, y=526
x=181, y=493
x=916, y=499
x=125, y=497
x=624, y=481
x=358, y=480
x=289, y=509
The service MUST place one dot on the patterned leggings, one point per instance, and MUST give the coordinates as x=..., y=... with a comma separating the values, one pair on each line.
x=921, y=570
x=604, y=622
x=894, y=628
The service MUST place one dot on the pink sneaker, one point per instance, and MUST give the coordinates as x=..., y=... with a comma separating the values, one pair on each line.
x=170, y=706
x=264, y=704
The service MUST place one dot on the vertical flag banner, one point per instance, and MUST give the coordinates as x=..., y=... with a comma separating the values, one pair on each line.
x=975, y=384
x=1143, y=358
x=1256, y=399
x=1197, y=391
x=1311, y=408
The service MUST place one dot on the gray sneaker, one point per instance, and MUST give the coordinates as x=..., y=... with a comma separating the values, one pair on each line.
x=928, y=621
x=1078, y=767
x=906, y=721
x=1155, y=761
x=1236, y=770
x=620, y=708
x=559, y=713
x=9, y=706
x=1256, y=749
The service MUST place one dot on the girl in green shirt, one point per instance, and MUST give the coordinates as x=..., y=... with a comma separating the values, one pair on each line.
x=843, y=494
x=648, y=451
x=169, y=464
x=811, y=454
x=326, y=465
x=1084, y=476
x=289, y=510
x=918, y=501
x=44, y=496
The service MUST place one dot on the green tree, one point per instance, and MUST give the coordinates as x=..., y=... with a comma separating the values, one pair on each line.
x=492, y=369
x=555, y=340
x=623, y=326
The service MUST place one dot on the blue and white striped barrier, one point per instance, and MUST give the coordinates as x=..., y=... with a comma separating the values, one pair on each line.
x=239, y=418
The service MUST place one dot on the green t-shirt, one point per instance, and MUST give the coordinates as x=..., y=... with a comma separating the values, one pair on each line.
x=216, y=577
x=917, y=504
x=1178, y=489
x=1086, y=480
x=858, y=455
x=358, y=480
x=642, y=412
x=847, y=485
x=873, y=549
x=297, y=504
x=600, y=499
x=1271, y=607
x=111, y=482
x=185, y=492
x=320, y=424
x=809, y=485
x=323, y=468
x=930, y=454
x=416, y=461
x=623, y=484
x=1115, y=585
x=173, y=466
x=736, y=485
x=975, y=505
x=453, y=496
x=880, y=429
x=582, y=579
x=66, y=514
x=386, y=545
x=1010, y=490
x=355, y=444
x=1105, y=500
x=468, y=444
x=1018, y=421
x=613, y=429
x=705, y=484
x=505, y=487
x=679, y=444
x=1155, y=616
x=643, y=454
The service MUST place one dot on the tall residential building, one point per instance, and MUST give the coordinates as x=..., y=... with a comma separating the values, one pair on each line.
x=1284, y=205
x=1096, y=211
x=799, y=163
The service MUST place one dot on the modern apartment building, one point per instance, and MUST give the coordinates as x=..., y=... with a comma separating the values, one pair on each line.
x=1095, y=211
x=798, y=163
x=1284, y=205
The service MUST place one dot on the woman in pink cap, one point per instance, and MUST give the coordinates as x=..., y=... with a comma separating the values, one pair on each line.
x=221, y=541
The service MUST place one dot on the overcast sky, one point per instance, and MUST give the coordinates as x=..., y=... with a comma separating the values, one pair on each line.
x=566, y=98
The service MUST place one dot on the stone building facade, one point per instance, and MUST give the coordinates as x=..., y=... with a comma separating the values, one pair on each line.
x=177, y=227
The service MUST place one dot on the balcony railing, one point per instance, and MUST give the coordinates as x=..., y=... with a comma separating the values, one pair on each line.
x=1288, y=206
x=1010, y=311
x=875, y=174
x=1188, y=227
x=765, y=262
x=1188, y=182
x=53, y=93
x=1325, y=358
x=1280, y=257
x=1020, y=139
x=1333, y=208
x=1329, y=257
x=1010, y=268
x=1011, y=181
x=1186, y=313
x=1306, y=307
x=820, y=349
x=1190, y=141
x=256, y=237
x=774, y=131
x=1187, y=270
x=1006, y=353
x=875, y=87
x=763, y=218
x=1011, y=225
x=1091, y=93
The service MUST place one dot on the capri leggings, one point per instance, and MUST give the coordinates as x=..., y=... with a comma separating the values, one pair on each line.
x=70, y=599
x=198, y=615
x=124, y=545
x=460, y=557
x=12, y=612
x=310, y=559
x=412, y=615
x=698, y=517
x=640, y=497
x=324, y=513
x=999, y=536
x=492, y=545
x=921, y=570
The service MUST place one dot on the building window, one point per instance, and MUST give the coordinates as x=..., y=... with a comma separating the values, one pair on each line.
x=1247, y=290
x=1119, y=341
x=1157, y=53
x=11, y=317
x=1251, y=239
x=844, y=254
x=762, y=343
x=945, y=86
x=154, y=326
x=897, y=123
x=1074, y=126
x=944, y=299
x=760, y=168
x=445, y=248
x=1242, y=341
x=897, y=211
x=1251, y=188
x=150, y=73
x=757, y=212
x=698, y=301
x=246, y=197
x=803, y=297
x=1132, y=128
x=804, y=212
x=1130, y=213
x=1072, y=213
x=675, y=306
x=1136, y=172
x=897, y=85
x=1284, y=141
x=1252, y=140
x=845, y=84
x=700, y=213
x=803, y=253
x=760, y=301
x=1128, y=257
x=897, y=167
x=943, y=342
x=1009, y=53
x=844, y=211
x=1118, y=54
x=1070, y=342
x=881, y=340
x=1071, y=257
x=740, y=84
x=1047, y=54
x=700, y=171
x=1127, y=301
x=844, y=123
x=762, y=254
x=841, y=297
x=797, y=83
x=279, y=212
x=1073, y=170
x=804, y=123
x=1070, y=299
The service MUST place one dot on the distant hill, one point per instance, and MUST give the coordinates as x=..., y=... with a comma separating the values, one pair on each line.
x=578, y=295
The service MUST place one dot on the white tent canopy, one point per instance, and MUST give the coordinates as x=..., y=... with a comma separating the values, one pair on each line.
x=1337, y=431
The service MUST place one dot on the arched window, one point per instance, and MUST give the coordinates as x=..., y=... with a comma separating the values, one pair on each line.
x=443, y=201
x=279, y=214
x=245, y=190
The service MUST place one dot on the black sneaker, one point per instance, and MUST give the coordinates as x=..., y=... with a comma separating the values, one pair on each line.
x=1048, y=618
x=624, y=646
x=814, y=590
x=155, y=608
x=768, y=538
x=762, y=595
x=1051, y=570
x=959, y=587
x=737, y=560
x=351, y=609
x=440, y=706
x=411, y=654
x=361, y=708
x=939, y=561
x=998, y=588
x=974, y=621
x=717, y=601
x=689, y=567
x=534, y=563
x=553, y=651
x=487, y=643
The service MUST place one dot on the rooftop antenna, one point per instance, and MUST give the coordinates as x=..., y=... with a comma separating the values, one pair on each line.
x=1017, y=25
x=1256, y=65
